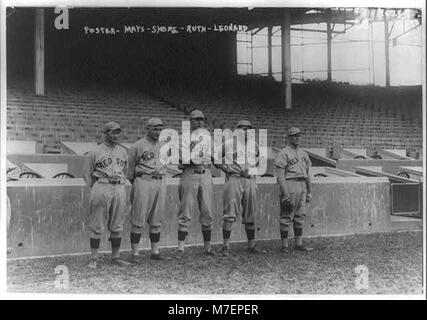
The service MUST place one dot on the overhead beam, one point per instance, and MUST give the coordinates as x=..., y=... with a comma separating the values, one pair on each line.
x=409, y=30
x=321, y=18
x=286, y=60
x=256, y=31
x=39, y=52
x=315, y=30
x=346, y=28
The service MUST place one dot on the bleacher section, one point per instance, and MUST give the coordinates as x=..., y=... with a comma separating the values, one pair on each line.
x=333, y=116
x=78, y=115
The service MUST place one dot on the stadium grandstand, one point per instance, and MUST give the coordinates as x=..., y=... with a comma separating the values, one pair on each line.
x=64, y=84
x=332, y=116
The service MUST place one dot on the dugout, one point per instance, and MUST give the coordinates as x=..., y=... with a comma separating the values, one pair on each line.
x=406, y=194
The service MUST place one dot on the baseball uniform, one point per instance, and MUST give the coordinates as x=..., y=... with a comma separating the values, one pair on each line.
x=147, y=168
x=240, y=190
x=196, y=188
x=296, y=165
x=105, y=172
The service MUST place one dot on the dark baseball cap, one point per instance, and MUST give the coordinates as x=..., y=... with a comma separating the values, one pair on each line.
x=154, y=122
x=293, y=131
x=195, y=114
x=244, y=123
x=110, y=126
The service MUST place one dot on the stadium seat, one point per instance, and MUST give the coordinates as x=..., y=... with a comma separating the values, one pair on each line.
x=336, y=113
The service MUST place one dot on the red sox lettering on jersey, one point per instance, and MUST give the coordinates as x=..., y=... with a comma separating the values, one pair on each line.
x=296, y=162
x=105, y=162
x=146, y=157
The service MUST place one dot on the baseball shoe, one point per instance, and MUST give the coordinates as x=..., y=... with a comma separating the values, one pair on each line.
x=179, y=255
x=120, y=263
x=157, y=256
x=134, y=259
x=209, y=252
x=285, y=250
x=303, y=248
x=225, y=251
x=93, y=264
x=256, y=250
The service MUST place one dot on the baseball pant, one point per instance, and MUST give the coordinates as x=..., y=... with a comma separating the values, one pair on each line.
x=240, y=198
x=148, y=202
x=195, y=189
x=107, y=205
x=298, y=193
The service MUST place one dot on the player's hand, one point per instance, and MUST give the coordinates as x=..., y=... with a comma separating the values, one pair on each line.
x=245, y=174
x=286, y=199
x=287, y=204
x=308, y=197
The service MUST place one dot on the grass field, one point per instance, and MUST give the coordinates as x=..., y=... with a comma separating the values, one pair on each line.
x=394, y=263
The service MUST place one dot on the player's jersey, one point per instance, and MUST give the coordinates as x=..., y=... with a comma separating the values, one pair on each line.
x=295, y=162
x=146, y=157
x=105, y=162
x=204, y=154
x=250, y=160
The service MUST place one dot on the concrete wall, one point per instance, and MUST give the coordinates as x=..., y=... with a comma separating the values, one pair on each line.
x=50, y=216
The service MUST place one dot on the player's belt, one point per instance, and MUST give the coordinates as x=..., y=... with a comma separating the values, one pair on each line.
x=198, y=171
x=152, y=176
x=243, y=176
x=296, y=178
x=110, y=180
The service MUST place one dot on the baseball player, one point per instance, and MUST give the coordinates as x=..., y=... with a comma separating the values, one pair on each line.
x=147, y=169
x=195, y=189
x=292, y=172
x=105, y=173
x=240, y=196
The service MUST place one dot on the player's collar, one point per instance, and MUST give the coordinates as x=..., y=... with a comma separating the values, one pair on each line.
x=154, y=142
x=110, y=144
x=292, y=146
